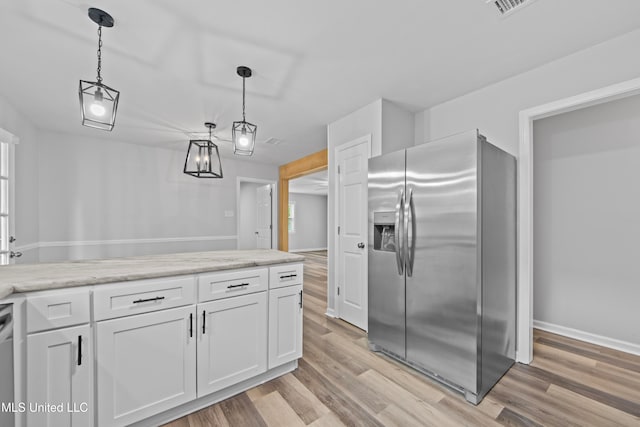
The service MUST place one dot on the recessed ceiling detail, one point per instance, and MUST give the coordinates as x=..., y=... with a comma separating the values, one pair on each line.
x=506, y=7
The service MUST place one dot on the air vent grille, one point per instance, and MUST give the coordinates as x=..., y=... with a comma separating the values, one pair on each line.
x=507, y=6
x=273, y=141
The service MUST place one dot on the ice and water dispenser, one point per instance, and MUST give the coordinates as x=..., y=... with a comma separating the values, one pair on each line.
x=384, y=231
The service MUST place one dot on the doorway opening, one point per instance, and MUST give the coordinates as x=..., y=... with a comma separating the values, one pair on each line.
x=586, y=170
x=307, y=212
x=257, y=210
x=307, y=165
x=524, y=353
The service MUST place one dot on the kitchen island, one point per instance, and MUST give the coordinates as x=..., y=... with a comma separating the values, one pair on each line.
x=144, y=340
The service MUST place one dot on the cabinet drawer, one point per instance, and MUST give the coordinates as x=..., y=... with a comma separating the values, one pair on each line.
x=57, y=309
x=124, y=299
x=285, y=275
x=212, y=286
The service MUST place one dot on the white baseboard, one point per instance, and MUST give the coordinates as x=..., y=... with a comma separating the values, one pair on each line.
x=308, y=250
x=75, y=243
x=331, y=313
x=600, y=340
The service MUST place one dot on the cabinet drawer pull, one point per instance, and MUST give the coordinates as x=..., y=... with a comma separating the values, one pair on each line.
x=190, y=325
x=138, y=301
x=300, y=299
x=288, y=276
x=204, y=318
x=237, y=286
x=79, y=350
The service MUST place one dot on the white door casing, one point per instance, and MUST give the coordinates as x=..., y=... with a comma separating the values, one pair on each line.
x=263, y=217
x=6, y=205
x=352, y=275
x=524, y=346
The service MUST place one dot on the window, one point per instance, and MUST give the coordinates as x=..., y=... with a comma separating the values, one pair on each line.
x=4, y=203
x=292, y=217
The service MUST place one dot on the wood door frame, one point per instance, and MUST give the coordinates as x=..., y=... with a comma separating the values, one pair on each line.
x=524, y=346
x=304, y=166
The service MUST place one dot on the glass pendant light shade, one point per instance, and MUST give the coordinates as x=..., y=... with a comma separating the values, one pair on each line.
x=203, y=157
x=98, y=104
x=243, y=133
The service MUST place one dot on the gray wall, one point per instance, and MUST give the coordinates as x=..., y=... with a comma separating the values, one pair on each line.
x=586, y=220
x=247, y=215
x=101, y=197
x=310, y=222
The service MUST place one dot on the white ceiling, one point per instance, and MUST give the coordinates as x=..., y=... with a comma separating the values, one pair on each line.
x=314, y=183
x=314, y=62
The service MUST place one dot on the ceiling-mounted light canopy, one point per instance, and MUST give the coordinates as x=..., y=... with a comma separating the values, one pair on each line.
x=98, y=102
x=203, y=157
x=243, y=133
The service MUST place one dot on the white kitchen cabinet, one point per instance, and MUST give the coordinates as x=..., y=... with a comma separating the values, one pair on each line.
x=232, y=341
x=60, y=378
x=285, y=325
x=146, y=364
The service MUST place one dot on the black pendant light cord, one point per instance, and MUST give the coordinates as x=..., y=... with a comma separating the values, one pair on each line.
x=243, y=117
x=99, y=53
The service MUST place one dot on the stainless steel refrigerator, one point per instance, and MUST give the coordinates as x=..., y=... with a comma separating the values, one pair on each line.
x=442, y=260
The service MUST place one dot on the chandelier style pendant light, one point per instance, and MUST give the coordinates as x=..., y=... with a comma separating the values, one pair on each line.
x=243, y=132
x=98, y=102
x=203, y=157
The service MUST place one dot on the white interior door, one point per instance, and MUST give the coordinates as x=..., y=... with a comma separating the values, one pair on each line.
x=263, y=217
x=352, y=235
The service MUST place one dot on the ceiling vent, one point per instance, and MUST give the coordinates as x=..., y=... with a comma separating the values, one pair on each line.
x=506, y=7
x=273, y=141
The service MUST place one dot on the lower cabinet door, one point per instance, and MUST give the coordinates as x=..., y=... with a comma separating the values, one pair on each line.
x=146, y=364
x=232, y=343
x=59, y=378
x=285, y=325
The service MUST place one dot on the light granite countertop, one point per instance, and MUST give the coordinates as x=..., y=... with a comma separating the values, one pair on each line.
x=37, y=277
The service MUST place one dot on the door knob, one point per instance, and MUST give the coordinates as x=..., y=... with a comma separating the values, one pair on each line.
x=15, y=254
x=361, y=245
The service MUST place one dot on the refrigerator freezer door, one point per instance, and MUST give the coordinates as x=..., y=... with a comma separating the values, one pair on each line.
x=442, y=291
x=386, y=284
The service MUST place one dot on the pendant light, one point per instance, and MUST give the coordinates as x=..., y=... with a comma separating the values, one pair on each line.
x=98, y=102
x=243, y=132
x=203, y=157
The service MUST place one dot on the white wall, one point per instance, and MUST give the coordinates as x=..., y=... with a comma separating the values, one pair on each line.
x=310, y=222
x=101, y=189
x=368, y=120
x=247, y=215
x=26, y=180
x=586, y=213
x=494, y=109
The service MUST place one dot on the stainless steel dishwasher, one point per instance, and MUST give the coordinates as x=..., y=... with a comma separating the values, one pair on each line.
x=6, y=365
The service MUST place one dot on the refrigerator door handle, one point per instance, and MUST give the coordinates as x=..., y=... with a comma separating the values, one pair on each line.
x=410, y=244
x=397, y=233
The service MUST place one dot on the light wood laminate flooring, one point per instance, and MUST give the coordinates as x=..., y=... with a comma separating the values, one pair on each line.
x=339, y=382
